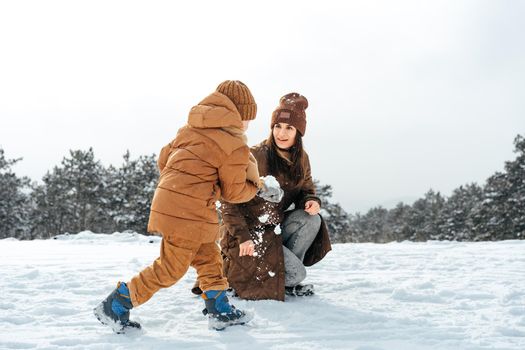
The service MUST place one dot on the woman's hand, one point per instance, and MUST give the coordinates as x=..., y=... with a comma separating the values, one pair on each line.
x=312, y=207
x=246, y=248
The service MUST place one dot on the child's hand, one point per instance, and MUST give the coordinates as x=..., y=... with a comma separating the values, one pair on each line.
x=246, y=248
x=312, y=207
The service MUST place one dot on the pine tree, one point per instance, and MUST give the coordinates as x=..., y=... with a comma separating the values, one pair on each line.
x=14, y=202
x=375, y=225
x=425, y=217
x=501, y=214
x=72, y=196
x=457, y=211
x=434, y=218
x=515, y=204
x=337, y=219
x=84, y=177
x=53, y=207
x=490, y=219
x=397, y=223
x=416, y=220
x=131, y=189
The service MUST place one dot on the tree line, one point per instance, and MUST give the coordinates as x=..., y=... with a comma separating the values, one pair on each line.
x=494, y=211
x=82, y=194
x=79, y=194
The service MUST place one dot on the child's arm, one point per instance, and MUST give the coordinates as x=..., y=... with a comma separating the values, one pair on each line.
x=252, y=173
x=235, y=187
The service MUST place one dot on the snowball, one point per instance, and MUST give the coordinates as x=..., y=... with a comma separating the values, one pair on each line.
x=264, y=218
x=270, y=181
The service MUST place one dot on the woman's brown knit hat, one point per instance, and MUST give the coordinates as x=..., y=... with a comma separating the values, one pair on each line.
x=241, y=96
x=291, y=111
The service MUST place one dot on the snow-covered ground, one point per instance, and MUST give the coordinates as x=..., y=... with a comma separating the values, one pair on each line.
x=436, y=295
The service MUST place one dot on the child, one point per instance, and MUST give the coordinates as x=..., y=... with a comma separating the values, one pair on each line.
x=207, y=161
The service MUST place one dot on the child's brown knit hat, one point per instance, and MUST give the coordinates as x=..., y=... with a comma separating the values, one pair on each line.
x=241, y=96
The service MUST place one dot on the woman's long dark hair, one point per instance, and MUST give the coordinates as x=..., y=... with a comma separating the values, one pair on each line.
x=294, y=169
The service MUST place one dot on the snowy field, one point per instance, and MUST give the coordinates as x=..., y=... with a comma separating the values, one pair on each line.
x=436, y=295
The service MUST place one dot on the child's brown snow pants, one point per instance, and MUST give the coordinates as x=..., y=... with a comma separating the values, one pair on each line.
x=176, y=256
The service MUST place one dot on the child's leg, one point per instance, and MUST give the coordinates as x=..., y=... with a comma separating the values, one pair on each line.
x=176, y=256
x=221, y=314
x=208, y=263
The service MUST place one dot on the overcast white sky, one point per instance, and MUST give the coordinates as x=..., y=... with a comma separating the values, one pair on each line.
x=404, y=95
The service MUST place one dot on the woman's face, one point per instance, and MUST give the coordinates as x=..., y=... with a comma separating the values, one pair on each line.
x=284, y=135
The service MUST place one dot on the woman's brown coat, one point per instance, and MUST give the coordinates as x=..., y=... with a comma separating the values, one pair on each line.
x=207, y=161
x=262, y=276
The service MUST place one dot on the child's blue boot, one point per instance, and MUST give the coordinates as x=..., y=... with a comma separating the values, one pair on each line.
x=221, y=313
x=114, y=310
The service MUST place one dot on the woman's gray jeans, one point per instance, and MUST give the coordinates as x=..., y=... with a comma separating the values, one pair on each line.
x=298, y=231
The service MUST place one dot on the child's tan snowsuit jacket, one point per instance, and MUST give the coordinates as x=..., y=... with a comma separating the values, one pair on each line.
x=208, y=160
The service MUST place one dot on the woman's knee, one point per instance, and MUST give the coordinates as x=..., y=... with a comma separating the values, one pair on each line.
x=312, y=222
x=301, y=217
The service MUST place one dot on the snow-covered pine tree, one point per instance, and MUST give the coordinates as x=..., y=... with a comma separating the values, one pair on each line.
x=359, y=228
x=416, y=220
x=53, y=209
x=337, y=219
x=425, y=217
x=14, y=202
x=375, y=227
x=490, y=219
x=84, y=177
x=501, y=214
x=71, y=198
x=130, y=191
x=397, y=223
x=455, y=224
x=516, y=202
x=434, y=218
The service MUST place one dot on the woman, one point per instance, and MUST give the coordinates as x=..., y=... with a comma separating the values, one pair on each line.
x=266, y=245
